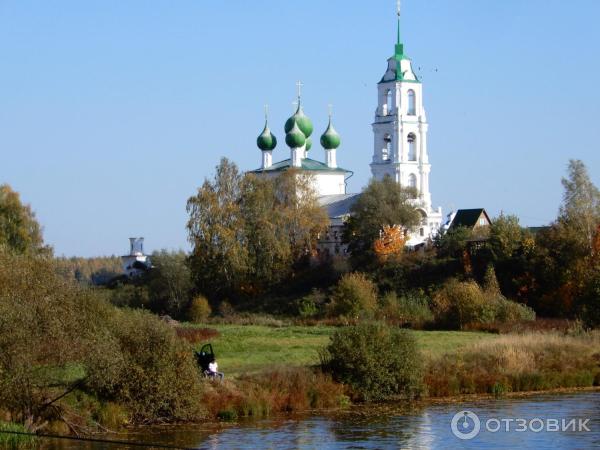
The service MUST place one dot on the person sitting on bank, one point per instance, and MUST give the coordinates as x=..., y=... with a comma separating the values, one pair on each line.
x=213, y=370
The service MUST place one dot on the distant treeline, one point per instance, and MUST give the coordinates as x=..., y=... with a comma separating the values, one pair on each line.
x=97, y=271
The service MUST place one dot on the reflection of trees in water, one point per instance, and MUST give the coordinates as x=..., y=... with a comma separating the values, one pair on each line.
x=390, y=427
x=382, y=427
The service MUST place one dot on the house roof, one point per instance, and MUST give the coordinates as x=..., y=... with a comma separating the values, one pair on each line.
x=307, y=164
x=338, y=206
x=468, y=217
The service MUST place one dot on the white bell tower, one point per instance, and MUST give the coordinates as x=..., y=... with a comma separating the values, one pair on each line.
x=400, y=137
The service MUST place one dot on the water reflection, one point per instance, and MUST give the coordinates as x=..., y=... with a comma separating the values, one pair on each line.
x=392, y=427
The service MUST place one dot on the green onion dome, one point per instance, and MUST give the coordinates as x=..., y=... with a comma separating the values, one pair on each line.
x=295, y=137
x=302, y=120
x=308, y=144
x=330, y=139
x=266, y=141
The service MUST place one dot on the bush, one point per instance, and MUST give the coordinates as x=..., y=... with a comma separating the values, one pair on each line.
x=310, y=305
x=411, y=309
x=144, y=366
x=46, y=322
x=377, y=361
x=354, y=296
x=511, y=312
x=199, y=310
x=460, y=305
x=130, y=296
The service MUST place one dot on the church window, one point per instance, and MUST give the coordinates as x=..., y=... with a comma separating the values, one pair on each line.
x=412, y=181
x=422, y=232
x=388, y=101
x=412, y=103
x=412, y=147
x=387, y=150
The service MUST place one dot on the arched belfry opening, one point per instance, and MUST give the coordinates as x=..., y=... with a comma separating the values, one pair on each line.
x=412, y=147
x=412, y=103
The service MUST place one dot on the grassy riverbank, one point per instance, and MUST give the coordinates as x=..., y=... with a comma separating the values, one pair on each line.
x=266, y=367
x=248, y=349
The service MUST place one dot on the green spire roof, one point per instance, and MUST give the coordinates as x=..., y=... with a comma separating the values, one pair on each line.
x=330, y=140
x=295, y=138
x=266, y=141
x=399, y=53
x=399, y=65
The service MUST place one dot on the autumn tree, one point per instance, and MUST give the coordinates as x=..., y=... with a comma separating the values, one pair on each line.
x=382, y=203
x=20, y=232
x=506, y=236
x=215, y=230
x=390, y=244
x=249, y=232
x=580, y=209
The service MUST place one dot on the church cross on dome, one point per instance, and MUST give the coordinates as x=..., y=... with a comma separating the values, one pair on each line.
x=299, y=85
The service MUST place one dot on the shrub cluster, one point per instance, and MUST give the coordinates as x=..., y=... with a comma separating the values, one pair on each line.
x=377, y=361
x=199, y=310
x=410, y=310
x=354, y=297
x=460, y=304
x=54, y=333
x=144, y=366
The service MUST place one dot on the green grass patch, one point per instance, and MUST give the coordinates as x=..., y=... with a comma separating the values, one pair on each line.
x=16, y=441
x=252, y=348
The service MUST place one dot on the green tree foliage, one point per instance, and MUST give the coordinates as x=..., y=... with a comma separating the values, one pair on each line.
x=249, y=233
x=506, y=236
x=169, y=283
x=580, y=209
x=381, y=203
x=564, y=258
x=377, y=361
x=590, y=301
x=54, y=332
x=20, y=232
x=453, y=242
x=354, y=296
x=44, y=321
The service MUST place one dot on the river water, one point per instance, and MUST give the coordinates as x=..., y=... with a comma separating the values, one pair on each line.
x=549, y=421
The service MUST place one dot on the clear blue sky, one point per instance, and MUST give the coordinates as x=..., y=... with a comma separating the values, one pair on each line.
x=113, y=112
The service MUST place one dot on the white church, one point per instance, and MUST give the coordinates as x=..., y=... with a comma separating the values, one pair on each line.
x=399, y=151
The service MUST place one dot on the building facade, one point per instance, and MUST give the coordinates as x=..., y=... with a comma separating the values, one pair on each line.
x=327, y=177
x=399, y=151
x=400, y=138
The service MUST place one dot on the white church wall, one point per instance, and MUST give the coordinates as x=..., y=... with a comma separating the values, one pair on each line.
x=329, y=183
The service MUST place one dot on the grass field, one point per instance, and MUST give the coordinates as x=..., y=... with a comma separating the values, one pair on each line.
x=250, y=348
